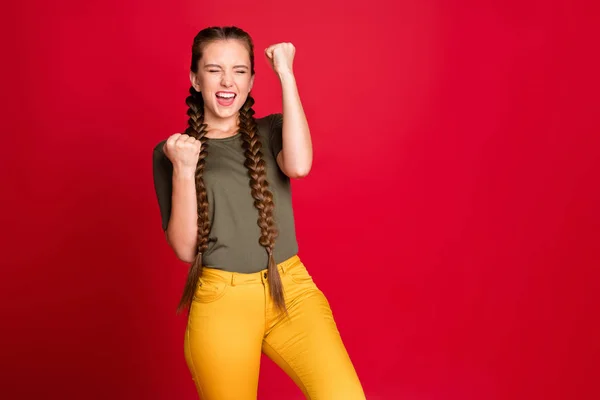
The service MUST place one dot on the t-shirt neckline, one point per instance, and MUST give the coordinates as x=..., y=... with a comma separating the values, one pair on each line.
x=225, y=139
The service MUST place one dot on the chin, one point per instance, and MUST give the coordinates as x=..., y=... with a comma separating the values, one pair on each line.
x=226, y=112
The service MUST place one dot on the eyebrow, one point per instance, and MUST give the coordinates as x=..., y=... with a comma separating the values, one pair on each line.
x=218, y=66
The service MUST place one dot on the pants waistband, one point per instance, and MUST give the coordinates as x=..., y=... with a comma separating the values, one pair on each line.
x=238, y=278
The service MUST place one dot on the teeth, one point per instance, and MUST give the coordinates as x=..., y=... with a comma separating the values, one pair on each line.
x=226, y=95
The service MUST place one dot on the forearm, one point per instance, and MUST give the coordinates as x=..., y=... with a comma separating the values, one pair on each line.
x=297, y=150
x=182, y=231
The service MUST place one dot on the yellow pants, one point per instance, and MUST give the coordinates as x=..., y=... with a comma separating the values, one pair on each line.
x=233, y=319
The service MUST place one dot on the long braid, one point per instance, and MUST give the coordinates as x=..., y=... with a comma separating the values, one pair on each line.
x=263, y=198
x=197, y=129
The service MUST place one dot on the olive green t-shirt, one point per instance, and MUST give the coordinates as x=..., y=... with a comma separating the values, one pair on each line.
x=233, y=239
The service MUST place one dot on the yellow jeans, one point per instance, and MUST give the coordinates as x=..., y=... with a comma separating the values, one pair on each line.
x=233, y=319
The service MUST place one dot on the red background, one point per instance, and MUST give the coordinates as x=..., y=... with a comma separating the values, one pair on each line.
x=451, y=215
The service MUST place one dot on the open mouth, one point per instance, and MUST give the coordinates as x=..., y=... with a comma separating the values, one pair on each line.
x=225, y=98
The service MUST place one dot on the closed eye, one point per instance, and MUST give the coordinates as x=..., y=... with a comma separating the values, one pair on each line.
x=215, y=70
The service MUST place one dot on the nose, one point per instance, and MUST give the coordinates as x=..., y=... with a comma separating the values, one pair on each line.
x=226, y=80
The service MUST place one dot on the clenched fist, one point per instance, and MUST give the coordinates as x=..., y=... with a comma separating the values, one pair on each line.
x=183, y=151
x=281, y=57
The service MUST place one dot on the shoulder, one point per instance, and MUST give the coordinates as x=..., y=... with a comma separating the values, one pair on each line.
x=159, y=158
x=157, y=152
x=269, y=123
x=274, y=119
x=264, y=122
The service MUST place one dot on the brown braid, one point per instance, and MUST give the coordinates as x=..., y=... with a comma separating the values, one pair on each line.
x=197, y=129
x=263, y=198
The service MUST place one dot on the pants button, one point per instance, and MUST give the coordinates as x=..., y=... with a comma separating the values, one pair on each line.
x=265, y=275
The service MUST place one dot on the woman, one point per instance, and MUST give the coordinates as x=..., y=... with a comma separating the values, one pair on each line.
x=224, y=193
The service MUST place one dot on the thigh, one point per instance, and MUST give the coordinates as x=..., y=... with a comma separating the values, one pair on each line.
x=308, y=347
x=223, y=340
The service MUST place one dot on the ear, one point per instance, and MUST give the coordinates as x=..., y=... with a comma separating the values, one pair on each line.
x=195, y=81
x=251, y=83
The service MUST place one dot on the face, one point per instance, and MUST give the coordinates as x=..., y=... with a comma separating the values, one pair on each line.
x=224, y=78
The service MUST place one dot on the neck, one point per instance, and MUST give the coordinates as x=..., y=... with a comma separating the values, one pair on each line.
x=214, y=123
x=220, y=127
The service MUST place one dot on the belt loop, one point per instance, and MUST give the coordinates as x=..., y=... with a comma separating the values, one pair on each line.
x=233, y=279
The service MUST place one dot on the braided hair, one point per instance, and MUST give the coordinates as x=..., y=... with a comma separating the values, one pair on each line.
x=252, y=146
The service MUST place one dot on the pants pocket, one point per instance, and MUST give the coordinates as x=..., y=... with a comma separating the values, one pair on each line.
x=299, y=274
x=210, y=290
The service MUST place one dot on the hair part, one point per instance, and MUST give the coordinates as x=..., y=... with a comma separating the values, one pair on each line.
x=213, y=34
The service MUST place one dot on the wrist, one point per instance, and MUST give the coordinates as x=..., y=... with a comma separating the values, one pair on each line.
x=184, y=173
x=286, y=75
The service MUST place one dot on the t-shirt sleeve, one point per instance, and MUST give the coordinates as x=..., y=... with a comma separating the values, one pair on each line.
x=275, y=133
x=162, y=169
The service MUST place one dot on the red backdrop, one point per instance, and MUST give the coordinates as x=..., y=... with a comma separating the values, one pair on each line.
x=451, y=215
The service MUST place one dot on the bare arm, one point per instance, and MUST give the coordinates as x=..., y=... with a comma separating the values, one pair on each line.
x=295, y=159
x=182, y=227
x=182, y=231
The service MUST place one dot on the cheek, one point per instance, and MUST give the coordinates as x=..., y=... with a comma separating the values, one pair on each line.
x=243, y=83
x=210, y=81
x=213, y=81
x=242, y=99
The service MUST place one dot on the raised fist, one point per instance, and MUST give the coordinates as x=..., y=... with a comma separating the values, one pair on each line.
x=281, y=57
x=182, y=150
